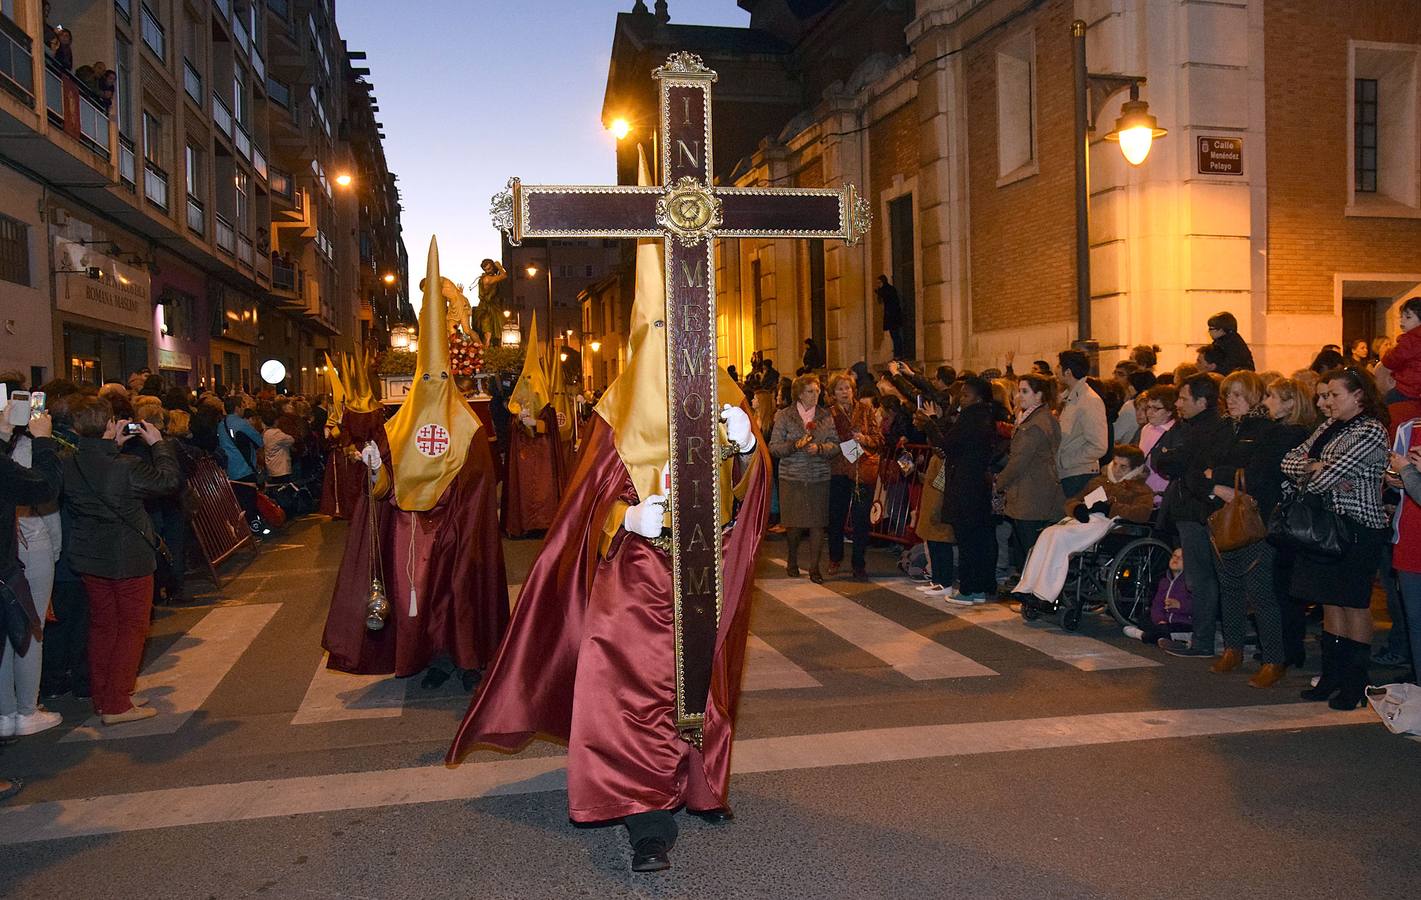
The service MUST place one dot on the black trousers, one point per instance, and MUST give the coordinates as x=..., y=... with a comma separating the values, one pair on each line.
x=849, y=500
x=976, y=557
x=66, y=640
x=659, y=823
x=1026, y=531
x=944, y=569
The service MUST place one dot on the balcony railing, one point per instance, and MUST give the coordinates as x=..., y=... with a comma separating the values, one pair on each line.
x=226, y=237
x=278, y=92
x=94, y=125
x=153, y=34
x=222, y=115
x=127, y=172
x=280, y=7
x=54, y=95
x=263, y=268
x=259, y=163
x=244, y=249
x=125, y=8
x=196, y=219
x=280, y=182
x=258, y=65
x=239, y=29
x=192, y=82
x=283, y=276
x=155, y=185
x=242, y=140
x=224, y=7
x=16, y=61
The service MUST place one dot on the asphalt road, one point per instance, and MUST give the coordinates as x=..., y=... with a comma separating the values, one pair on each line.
x=886, y=747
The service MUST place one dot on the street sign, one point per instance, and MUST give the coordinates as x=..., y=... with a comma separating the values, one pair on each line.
x=1220, y=156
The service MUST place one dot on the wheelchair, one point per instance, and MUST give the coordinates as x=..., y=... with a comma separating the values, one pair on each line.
x=1119, y=573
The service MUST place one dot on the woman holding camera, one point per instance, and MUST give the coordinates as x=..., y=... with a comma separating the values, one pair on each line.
x=113, y=545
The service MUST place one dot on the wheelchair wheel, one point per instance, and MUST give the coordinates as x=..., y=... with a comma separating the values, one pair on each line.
x=1134, y=573
x=1029, y=612
x=1071, y=618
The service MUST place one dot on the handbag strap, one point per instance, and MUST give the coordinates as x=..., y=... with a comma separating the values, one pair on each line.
x=1240, y=481
x=153, y=545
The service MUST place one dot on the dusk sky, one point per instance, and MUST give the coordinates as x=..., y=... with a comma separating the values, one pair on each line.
x=474, y=92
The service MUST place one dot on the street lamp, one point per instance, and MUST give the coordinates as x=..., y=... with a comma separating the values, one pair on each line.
x=344, y=179
x=1135, y=130
x=620, y=128
x=389, y=277
x=595, y=346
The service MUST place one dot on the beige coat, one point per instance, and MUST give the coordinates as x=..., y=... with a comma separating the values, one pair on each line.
x=1030, y=480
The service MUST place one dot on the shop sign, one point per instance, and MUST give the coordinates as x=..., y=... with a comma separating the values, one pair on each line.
x=93, y=284
x=174, y=359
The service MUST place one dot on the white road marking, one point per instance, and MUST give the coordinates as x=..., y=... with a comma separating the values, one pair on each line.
x=180, y=681
x=1087, y=654
x=766, y=669
x=336, y=696
x=245, y=801
x=909, y=653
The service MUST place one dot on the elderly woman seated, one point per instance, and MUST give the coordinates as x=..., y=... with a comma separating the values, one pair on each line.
x=1120, y=492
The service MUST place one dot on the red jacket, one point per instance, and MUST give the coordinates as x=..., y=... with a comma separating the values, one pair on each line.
x=1403, y=361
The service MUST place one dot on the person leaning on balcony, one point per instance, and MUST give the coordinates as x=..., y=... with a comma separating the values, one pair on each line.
x=113, y=546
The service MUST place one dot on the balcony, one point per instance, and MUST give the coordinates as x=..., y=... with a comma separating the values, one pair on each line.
x=278, y=92
x=192, y=82
x=91, y=124
x=155, y=185
x=280, y=183
x=244, y=250
x=196, y=218
x=244, y=40
x=127, y=164
x=258, y=65
x=224, y=7
x=243, y=141
x=125, y=9
x=153, y=35
x=281, y=7
x=16, y=62
x=264, y=269
x=226, y=237
x=259, y=163
x=221, y=115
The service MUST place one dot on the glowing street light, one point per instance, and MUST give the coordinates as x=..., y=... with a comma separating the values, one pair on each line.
x=532, y=271
x=344, y=179
x=595, y=346
x=389, y=277
x=620, y=128
x=1135, y=129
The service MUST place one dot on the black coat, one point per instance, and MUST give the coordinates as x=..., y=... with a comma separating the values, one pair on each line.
x=968, y=446
x=892, y=308
x=110, y=534
x=1236, y=353
x=1194, y=450
x=1257, y=447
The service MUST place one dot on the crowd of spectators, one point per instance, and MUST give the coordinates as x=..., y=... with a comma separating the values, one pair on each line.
x=1026, y=470
x=97, y=77
x=97, y=510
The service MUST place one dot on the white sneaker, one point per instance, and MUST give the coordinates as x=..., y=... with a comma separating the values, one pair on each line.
x=928, y=588
x=7, y=725
x=35, y=722
x=938, y=590
x=1315, y=680
x=1133, y=632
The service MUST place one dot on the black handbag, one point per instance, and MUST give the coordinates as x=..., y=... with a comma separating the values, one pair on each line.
x=19, y=621
x=1303, y=522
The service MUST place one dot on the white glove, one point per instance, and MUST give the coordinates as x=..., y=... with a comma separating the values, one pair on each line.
x=370, y=455
x=737, y=427
x=646, y=517
x=527, y=420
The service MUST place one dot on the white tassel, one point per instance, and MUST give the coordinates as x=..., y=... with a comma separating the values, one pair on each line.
x=414, y=607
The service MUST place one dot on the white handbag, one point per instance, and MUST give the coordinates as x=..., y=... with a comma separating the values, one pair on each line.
x=1399, y=706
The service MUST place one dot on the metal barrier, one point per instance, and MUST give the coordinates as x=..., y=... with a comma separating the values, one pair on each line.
x=217, y=521
x=897, y=493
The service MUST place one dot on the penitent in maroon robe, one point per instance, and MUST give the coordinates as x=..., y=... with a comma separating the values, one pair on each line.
x=343, y=483
x=455, y=556
x=589, y=656
x=536, y=476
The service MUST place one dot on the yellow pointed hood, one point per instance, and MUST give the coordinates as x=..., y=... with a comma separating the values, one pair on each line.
x=333, y=376
x=430, y=435
x=359, y=394
x=635, y=404
x=532, y=392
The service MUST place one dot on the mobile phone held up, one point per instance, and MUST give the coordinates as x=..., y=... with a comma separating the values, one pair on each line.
x=133, y=428
x=17, y=411
x=38, y=404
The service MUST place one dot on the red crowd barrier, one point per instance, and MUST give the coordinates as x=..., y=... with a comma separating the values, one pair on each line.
x=217, y=521
x=897, y=494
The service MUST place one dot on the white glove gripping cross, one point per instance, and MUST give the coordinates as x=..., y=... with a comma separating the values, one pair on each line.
x=737, y=427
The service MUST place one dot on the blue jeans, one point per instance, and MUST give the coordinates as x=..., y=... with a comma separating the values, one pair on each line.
x=1411, y=606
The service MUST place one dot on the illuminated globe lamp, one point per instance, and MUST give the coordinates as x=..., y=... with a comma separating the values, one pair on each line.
x=1135, y=130
x=273, y=372
x=400, y=337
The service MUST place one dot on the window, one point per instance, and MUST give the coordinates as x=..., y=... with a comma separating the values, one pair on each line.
x=1384, y=140
x=589, y=271
x=241, y=110
x=153, y=149
x=243, y=185
x=903, y=267
x=14, y=251
x=194, y=171
x=1016, y=108
x=1364, y=135
x=123, y=102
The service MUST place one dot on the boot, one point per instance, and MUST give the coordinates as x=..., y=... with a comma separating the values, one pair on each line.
x=1268, y=675
x=1355, y=658
x=1330, y=678
x=1231, y=659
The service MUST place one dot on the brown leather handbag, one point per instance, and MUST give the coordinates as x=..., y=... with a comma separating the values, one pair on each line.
x=1237, y=523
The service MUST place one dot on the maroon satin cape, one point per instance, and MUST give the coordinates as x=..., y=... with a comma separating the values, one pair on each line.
x=589, y=657
x=455, y=556
x=536, y=475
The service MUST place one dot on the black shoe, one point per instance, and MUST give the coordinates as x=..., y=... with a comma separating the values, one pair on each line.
x=1181, y=648
x=713, y=816
x=469, y=678
x=433, y=678
x=52, y=690
x=16, y=785
x=1331, y=678
x=1355, y=658
x=651, y=854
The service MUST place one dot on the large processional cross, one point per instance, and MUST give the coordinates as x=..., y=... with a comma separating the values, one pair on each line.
x=688, y=212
